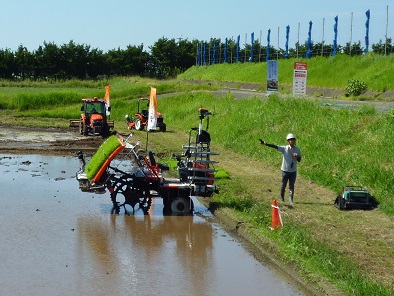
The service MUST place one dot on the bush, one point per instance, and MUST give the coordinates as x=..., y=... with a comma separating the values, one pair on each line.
x=355, y=87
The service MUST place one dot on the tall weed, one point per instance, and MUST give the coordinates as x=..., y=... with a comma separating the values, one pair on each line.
x=28, y=101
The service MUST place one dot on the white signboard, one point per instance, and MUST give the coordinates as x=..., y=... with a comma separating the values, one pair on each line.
x=152, y=118
x=299, y=78
x=272, y=75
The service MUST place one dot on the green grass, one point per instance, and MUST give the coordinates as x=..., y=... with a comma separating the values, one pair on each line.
x=320, y=260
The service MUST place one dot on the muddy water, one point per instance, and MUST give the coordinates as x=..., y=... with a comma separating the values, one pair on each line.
x=56, y=240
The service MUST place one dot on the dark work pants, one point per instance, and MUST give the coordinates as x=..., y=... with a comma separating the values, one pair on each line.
x=291, y=178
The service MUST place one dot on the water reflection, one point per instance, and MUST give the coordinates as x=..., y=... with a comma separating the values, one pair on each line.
x=158, y=248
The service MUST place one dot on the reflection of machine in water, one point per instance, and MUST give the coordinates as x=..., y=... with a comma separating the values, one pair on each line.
x=144, y=179
x=167, y=249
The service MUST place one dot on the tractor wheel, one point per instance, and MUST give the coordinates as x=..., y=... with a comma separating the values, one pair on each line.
x=341, y=203
x=374, y=202
x=138, y=125
x=163, y=127
x=81, y=127
x=182, y=205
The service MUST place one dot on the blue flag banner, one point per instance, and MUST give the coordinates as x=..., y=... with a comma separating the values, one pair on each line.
x=251, y=47
x=268, y=45
x=368, y=14
x=334, y=52
x=287, y=42
x=237, y=58
x=308, y=53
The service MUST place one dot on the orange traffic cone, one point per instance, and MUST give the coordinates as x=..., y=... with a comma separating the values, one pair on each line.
x=276, y=218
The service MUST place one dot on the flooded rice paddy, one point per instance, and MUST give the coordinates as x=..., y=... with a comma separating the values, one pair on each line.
x=57, y=240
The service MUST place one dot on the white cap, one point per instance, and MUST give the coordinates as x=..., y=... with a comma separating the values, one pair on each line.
x=290, y=136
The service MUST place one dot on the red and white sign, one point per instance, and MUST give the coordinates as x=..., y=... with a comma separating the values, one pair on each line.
x=299, y=78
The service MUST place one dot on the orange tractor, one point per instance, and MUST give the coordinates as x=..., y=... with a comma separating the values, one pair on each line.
x=141, y=119
x=93, y=119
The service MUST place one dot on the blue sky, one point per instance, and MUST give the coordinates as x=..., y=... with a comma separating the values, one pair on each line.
x=117, y=23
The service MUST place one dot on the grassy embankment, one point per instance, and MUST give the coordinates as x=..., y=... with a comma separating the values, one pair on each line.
x=322, y=72
x=339, y=146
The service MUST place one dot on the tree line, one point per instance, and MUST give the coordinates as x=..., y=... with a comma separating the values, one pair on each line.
x=167, y=58
x=68, y=61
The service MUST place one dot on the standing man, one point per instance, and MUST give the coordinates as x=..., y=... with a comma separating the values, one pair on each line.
x=291, y=155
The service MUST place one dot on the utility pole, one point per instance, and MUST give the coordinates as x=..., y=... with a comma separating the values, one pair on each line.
x=261, y=32
x=277, y=52
x=246, y=37
x=322, y=39
x=351, y=34
x=298, y=38
x=387, y=23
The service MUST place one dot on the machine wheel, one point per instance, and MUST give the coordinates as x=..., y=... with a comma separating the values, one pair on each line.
x=163, y=127
x=182, y=205
x=138, y=125
x=125, y=195
x=341, y=203
x=166, y=206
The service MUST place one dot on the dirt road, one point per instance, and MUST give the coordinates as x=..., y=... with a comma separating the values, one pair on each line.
x=383, y=102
